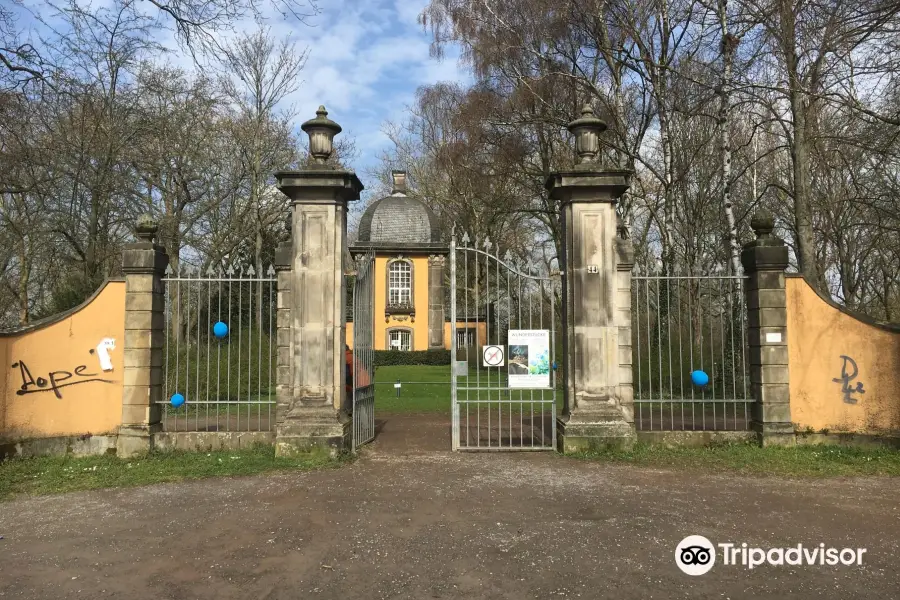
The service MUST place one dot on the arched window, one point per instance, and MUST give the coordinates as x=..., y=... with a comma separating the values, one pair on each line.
x=400, y=283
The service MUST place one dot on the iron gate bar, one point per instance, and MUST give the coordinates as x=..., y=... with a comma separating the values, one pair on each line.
x=502, y=422
x=363, y=400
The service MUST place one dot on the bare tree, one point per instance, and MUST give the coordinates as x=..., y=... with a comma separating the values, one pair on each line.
x=198, y=26
x=260, y=75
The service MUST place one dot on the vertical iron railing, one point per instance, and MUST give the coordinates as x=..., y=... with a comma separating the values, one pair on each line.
x=492, y=296
x=219, y=350
x=363, y=352
x=683, y=324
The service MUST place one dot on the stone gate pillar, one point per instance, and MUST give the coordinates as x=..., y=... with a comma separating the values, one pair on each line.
x=436, y=301
x=597, y=297
x=144, y=264
x=764, y=261
x=311, y=387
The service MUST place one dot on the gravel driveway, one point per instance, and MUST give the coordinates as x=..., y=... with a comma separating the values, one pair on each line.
x=408, y=522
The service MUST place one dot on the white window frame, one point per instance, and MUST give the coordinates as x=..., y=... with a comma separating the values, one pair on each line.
x=401, y=335
x=400, y=283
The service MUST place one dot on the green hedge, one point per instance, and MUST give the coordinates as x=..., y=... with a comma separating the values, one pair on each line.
x=421, y=357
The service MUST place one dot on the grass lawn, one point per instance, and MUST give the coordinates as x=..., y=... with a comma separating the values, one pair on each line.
x=56, y=475
x=424, y=389
x=808, y=461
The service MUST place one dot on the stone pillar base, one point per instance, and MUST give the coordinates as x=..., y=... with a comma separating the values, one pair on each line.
x=317, y=429
x=596, y=428
x=136, y=440
x=774, y=434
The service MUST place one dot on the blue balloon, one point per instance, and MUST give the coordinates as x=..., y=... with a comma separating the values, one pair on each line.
x=699, y=378
x=177, y=400
x=220, y=329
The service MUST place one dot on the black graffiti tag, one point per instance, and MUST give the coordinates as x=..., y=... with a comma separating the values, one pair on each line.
x=54, y=380
x=848, y=375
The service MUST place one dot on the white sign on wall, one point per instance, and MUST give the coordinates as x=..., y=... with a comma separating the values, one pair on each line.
x=529, y=358
x=105, y=346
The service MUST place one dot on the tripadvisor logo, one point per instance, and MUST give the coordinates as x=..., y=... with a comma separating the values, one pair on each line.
x=696, y=555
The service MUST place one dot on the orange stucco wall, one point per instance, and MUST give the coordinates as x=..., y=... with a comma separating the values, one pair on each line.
x=480, y=326
x=61, y=351
x=420, y=301
x=819, y=336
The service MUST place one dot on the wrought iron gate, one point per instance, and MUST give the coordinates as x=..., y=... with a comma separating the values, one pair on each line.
x=363, y=354
x=491, y=301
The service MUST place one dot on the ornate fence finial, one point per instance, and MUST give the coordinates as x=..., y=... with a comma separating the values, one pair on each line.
x=146, y=228
x=587, y=130
x=321, y=132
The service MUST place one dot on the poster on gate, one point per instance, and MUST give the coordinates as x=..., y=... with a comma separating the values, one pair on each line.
x=528, y=357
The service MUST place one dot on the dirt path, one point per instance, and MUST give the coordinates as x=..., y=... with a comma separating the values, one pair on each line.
x=410, y=520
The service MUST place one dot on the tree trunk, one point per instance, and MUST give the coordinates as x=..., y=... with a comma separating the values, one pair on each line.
x=24, y=276
x=728, y=46
x=803, y=225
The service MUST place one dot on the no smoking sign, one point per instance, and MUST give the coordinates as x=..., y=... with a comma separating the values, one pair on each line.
x=492, y=356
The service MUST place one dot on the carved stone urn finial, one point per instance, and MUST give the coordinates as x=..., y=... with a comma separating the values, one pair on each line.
x=587, y=130
x=321, y=132
x=763, y=223
x=146, y=228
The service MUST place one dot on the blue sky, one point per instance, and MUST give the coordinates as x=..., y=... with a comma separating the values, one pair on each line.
x=366, y=60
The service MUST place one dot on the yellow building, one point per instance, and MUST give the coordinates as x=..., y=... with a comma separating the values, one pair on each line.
x=411, y=310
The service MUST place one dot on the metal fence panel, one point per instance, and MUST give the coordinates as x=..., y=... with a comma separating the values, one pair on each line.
x=219, y=349
x=681, y=324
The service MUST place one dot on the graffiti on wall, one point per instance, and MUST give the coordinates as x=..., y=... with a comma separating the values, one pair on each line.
x=849, y=373
x=56, y=380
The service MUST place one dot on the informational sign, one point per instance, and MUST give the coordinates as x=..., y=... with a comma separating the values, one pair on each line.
x=529, y=358
x=492, y=356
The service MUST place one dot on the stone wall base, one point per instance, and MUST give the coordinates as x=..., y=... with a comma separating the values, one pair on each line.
x=75, y=445
x=856, y=440
x=598, y=428
x=773, y=434
x=211, y=440
x=695, y=439
x=135, y=440
x=318, y=429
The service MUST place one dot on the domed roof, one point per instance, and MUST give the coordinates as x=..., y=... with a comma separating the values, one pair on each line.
x=398, y=222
